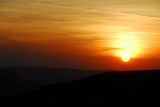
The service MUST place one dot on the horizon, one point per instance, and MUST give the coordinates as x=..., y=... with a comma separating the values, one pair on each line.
x=77, y=68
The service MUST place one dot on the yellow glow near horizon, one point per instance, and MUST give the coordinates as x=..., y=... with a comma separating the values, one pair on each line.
x=125, y=57
x=127, y=44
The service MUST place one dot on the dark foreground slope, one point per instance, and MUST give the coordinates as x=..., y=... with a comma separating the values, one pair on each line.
x=113, y=89
x=22, y=79
x=10, y=82
x=48, y=76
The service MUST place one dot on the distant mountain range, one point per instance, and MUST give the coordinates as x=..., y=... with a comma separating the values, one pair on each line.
x=111, y=89
x=10, y=82
x=20, y=79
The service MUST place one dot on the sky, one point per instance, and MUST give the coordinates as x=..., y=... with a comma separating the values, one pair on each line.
x=81, y=34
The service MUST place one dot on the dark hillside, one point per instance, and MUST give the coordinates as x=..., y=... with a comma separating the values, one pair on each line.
x=132, y=88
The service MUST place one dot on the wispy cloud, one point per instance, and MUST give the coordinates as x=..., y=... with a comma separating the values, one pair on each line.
x=89, y=23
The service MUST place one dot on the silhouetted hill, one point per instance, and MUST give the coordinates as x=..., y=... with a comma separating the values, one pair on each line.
x=20, y=79
x=48, y=76
x=10, y=82
x=112, y=89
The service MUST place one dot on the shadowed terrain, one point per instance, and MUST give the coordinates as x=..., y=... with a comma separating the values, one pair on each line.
x=10, y=82
x=130, y=88
x=20, y=79
x=48, y=76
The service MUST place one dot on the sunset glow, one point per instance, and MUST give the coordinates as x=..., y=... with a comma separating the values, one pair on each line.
x=128, y=43
x=85, y=34
x=125, y=57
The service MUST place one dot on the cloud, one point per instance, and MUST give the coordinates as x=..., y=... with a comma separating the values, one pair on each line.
x=110, y=48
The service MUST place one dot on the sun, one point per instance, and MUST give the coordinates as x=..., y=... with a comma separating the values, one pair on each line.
x=125, y=57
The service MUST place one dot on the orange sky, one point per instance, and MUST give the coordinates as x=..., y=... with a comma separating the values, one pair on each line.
x=83, y=34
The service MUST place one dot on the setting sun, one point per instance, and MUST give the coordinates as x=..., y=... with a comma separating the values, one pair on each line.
x=125, y=57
